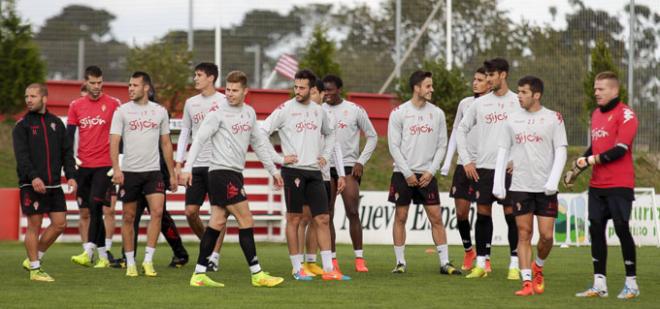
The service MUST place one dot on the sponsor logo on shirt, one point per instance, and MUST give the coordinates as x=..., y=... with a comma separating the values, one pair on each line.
x=142, y=124
x=495, y=117
x=306, y=125
x=341, y=124
x=90, y=121
x=627, y=115
x=525, y=137
x=418, y=129
x=240, y=128
x=598, y=133
x=199, y=117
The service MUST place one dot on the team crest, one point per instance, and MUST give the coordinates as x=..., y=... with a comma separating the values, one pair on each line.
x=103, y=108
x=122, y=192
x=396, y=196
x=476, y=194
x=609, y=118
x=453, y=190
x=36, y=205
x=519, y=206
x=53, y=126
x=243, y=192
x=297, y=182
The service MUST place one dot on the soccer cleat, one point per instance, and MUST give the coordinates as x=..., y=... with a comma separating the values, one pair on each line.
x=118, y=263
x=301, y=275
x=264, y=279
x=212, y=266
x=178, y=262
x=312, y=269
x=468, y=259
x=628, y=293
x=538, y=284
x=488, y=269
x=82, y=259
x=202, y=280
x=335, y=275
x=111, y=258
x=514, y=274
x=40, y=275
x=477, y=272
x=592, y=292
x=26, y=264
x=131, y=271
x=361, y=265
x=102, y=263
x=149, y=270
x=335, y=265
x=449, y=269
x=527, y=289
x=400, y=268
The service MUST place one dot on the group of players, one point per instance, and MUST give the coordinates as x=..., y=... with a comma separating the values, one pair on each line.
x=511, y=150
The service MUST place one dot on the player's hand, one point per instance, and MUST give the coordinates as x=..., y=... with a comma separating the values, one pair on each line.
x=341, y=184
x=471, y=171
x=549, y=189
x=509, y=167
x=499, y=192
x=322, y=161
x=118, y=177
x=582, y=162
x=279, y=182
x=177, y=168
x=73, y=185
x=412, y=180
x=358, y=169
x=38, y=185
x=174, y=186
x=290, y=159
x=425, y=180
x=185, y=179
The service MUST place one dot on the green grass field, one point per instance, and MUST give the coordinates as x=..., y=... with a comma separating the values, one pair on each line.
x=567, y=271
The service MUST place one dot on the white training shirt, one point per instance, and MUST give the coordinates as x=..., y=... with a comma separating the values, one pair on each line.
x=194, y=112
x=350, y=119
x=472, y=138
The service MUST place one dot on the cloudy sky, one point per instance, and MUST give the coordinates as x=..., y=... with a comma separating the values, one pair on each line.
x=142, y=21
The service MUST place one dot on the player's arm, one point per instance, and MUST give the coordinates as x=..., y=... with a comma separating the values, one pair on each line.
x=503, y=151
x=261, y=146
x=441, y=146
x=69, y=163
x=338, y=156
x=182, y=142
x=208, y=128
x=394, y=134
x=24, y=166
x=560, y=143
x=271, y=124
x=364, y=123
x=467, y=123
x=328, y=131
x=116, y=131
x=451, y=145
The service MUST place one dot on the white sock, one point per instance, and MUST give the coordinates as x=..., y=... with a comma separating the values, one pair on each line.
x=443, y=254
x=400, y=255
x=631, y=282
x=89, y=249
x=600, y=282
x=108, y=244
x=130, y=258
x=310, y=258
x=295, y=263
x=149, y=254
x=35, y=264
x=358, y=254
x=255, y=268
x=526, y=274
x=200, y=269
x=40, y=255
x=215, y=257
x=540, y=262
x=481, y=261
x=326, y=259
x=334, y=255
x=514, y=262
x=103, y=253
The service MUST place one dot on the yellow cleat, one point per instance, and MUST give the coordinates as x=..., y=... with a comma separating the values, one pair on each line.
x=477, y=272
x=202, y=280
x=131, y=271
x=514, y=274
x=312, y=269
x=102, y=263
x=26, y=264
x=263, y=279
x=40, y=275
x=82, y=259
x=149, y=270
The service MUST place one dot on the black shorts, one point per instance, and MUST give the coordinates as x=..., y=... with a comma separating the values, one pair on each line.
x=226, y=188
x=141, y=183
x=401, y=194
x=36, y=203
x=328, y=190
x=348, y=170
x=112, y=192
x=484, y=188
x=462, y=187
x=93, y=184
x=535, y=202
x=604, y=207
x=196, y=193
x=303, y=187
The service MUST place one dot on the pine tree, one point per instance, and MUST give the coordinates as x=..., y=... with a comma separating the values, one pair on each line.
x=319, y=57
x=601, y=61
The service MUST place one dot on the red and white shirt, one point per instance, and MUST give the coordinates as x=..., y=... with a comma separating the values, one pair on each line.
x=617, y=126
x=93, y=119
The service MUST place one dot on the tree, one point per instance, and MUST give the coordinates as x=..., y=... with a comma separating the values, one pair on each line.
x=168, y=64
x=449, y=88
x=601, y=60
x=20, y=64
x=320, y=55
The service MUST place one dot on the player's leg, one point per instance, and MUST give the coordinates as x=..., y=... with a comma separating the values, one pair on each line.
x=620, y=208
x=462, y=192
x=598, y=214
x=512, y=237
x=351, y=198
x=430, y=198
x=311, y=244
x=524, y=215
x=483, y=228
x=332, y=199
x=294, y=199
x=109, y=220
x=83, y=179
x=31, y=246
x=155, y=201
x=217, y=222
x=401, y=195
x=171, y=233
x=546, y=240
x=99, y=190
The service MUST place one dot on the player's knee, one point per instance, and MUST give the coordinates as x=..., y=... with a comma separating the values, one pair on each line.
x=462, y=214
x=128, y=218
x=322, y=220
x=547, y=238
x=84, y=213
x=401, y=218
x=192, y=212
x=108, y=211
x=352, y=213
x=59, y=226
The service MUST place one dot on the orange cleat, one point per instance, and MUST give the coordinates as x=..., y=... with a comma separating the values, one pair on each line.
x=526, y=290
x=335, y=265
x=488, y=269
x=538, y=283
x=335, y=275
x=468, y=259
x=361, y=265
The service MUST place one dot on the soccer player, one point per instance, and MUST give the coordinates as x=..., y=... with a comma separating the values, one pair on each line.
x=42, y=149
x=194, y=111
x=231, y=129
x=611, y=189
x=91, y=116
x=417, y=137
x=536, y=141
x=350, y=119
x=301, y=124
x=141, y=125
x=487, y=116
x=462, y=187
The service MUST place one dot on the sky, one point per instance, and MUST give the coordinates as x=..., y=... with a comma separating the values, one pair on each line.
x=144, y=20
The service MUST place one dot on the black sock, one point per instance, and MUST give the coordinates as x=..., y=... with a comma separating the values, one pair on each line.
x=246, y=239
x=513, y=234
x=598, y=247
x=464, y=230
x=169, y=230
x=489, y=235
x=206, y=245
x=481, y=234
x=627, y=247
